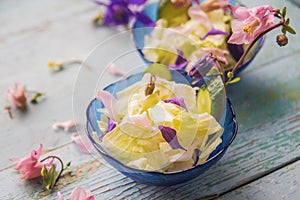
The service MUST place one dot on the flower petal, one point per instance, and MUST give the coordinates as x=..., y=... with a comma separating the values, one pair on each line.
x=236, y=50
x=66, y=125
x=177, y=101
x=59, y=196
x=82, y=142
x=109, y=102
x=169, y=135
x=144, y=19
x=180, y=63
x=115, y=71
x=110, y=126
x=79, y=193
x=213, y=31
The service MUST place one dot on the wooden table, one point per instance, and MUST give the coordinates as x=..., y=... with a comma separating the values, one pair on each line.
x=262, y=163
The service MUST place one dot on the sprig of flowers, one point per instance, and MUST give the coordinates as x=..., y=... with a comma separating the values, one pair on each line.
x=31, y=167
x=251, y=24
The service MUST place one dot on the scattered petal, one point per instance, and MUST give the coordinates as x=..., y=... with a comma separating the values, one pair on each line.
x=110, y=126
x=177, y=101
x=169, y=135
x=109, y=102
x=180, y=63
x=67, y=125
x=115, y=71
x=213, y=31
x=82, y=142
x=78, y=193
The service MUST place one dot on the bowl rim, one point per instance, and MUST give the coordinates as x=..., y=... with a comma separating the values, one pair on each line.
x=102, y=153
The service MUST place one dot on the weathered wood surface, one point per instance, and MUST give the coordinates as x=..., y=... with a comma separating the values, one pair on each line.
x=283, y=184
x=266, y=101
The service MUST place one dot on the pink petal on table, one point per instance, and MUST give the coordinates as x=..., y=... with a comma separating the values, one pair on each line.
x=115, y=71
x=59, y=196
x=109, y=102
x=83, y=142
x=66, y=125
x=79, y=193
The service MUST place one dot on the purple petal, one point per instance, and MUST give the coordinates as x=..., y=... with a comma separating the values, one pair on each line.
x=180, y=63
x=213, y=31
x=110, y=126
x=177, y=101
x=136, y=2
x=202, y=66
x=117, y=14
x=144, y=19
x=170, y=136
x=236, y=50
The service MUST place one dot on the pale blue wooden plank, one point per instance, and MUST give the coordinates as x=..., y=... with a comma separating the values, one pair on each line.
x=283, y=184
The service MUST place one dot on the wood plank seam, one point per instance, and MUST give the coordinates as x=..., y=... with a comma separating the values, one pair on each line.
x=254, y=178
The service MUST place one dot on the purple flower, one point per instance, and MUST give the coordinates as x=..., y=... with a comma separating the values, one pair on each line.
x=180, y=63
x=119, y=12
x=170, y=136
x=202, y=66
x=177, y=101
x=213, y=31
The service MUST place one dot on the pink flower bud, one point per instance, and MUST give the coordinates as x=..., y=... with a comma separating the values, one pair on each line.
x=17, y=96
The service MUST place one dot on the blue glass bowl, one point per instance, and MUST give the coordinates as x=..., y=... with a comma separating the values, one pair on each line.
x=228, y=122
x=139, y=31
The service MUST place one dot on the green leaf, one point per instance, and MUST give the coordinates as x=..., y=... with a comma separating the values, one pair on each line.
x=283, y=30
x=235, y=80
x=284, y=12
x=290, y=29
x=50, y=178
x=287, y=22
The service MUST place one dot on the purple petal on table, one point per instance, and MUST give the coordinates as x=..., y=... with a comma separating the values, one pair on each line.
x=180, y=63
x=109, y=102
x=213, y=31
x=236, y=50
x=144, y=19
x=202, y=66
x=170, y=136
x=177, y=101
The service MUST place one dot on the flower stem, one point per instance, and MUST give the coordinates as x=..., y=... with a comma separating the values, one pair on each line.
x=240, y=61
x=62, y=166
